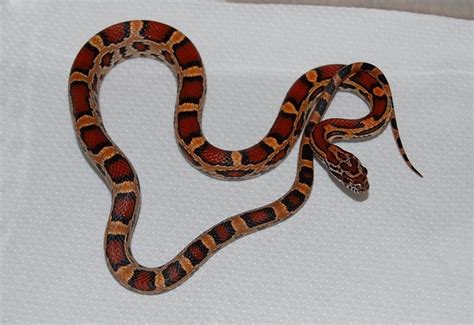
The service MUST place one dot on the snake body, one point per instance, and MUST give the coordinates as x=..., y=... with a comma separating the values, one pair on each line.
x=300, y=112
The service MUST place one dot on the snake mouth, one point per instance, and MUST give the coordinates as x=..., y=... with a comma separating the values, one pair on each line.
x=360, y=189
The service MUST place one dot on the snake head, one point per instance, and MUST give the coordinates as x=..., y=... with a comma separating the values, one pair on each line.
x=348, y=170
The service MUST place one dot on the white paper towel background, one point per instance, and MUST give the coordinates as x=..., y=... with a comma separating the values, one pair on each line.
x=401, y=255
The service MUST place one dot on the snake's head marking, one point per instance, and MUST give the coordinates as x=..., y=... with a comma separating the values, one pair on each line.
x=349, y=171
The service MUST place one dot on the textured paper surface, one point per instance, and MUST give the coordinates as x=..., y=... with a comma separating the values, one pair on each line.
x=403, y=254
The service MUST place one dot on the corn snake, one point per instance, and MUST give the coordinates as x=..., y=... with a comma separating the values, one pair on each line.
x=300, y=112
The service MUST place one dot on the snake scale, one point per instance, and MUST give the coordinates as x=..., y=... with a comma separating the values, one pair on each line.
x=300, y=113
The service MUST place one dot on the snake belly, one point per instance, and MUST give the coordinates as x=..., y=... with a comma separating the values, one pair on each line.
x=300, y=113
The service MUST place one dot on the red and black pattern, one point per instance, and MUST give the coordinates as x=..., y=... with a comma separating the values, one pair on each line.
x=259, y=217
x=143, y=280
x=116, y=252
x=124, y=207
x=302, y=109
x=173, y=273
x=196, y=252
